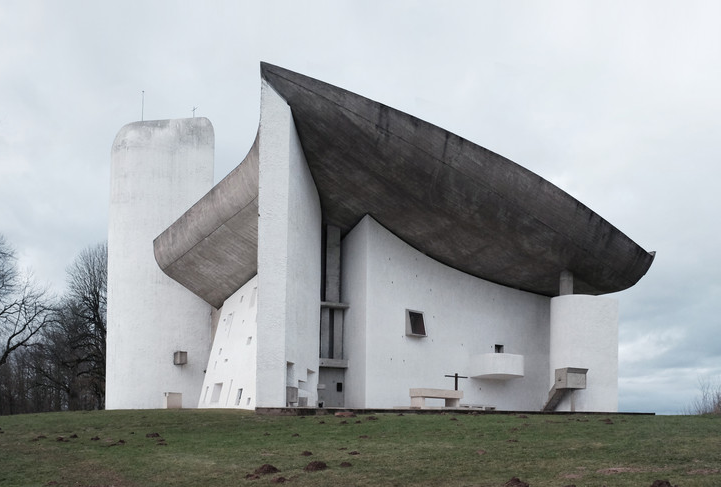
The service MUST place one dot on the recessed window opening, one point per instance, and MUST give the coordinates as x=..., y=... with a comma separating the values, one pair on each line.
x=415, y=324
x=230, y=390
x=339, y=387
x=229, y=323
x=499, y=348
x=249, y=341
x=217, y=388
x=253, y=296
x=247, y=401
x=238, y=396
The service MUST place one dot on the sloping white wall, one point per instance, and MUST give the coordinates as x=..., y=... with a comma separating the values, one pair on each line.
x=289, y=253
x=232, y=361
x=584, y=334
x=464, y=316
x=158, y=170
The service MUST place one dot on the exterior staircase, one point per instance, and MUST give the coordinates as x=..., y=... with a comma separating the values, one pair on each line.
x=568, y=379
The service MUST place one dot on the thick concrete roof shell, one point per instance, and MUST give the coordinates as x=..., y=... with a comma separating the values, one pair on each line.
x=453, y=200
x=212, y=249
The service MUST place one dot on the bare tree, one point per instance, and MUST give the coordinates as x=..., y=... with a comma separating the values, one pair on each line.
x=87, y=290
x=73, y=347
x=709, y=399
x=25, y=309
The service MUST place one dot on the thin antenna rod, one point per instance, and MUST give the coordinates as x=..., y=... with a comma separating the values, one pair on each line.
x=142, y=106
x=194, y=108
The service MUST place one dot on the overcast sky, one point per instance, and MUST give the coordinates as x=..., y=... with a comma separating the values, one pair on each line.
x=618, y=103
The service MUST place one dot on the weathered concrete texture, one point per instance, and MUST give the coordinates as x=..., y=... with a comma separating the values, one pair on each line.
x=159, y=168
x=212, y=249
x=455, y=201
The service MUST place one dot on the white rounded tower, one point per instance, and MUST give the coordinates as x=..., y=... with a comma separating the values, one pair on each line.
x=158, y=170
x=584, y=334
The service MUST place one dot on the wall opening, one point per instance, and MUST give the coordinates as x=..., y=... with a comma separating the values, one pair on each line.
x=228, y=324
x=238, y=395
x=253, y=296
x=415, y=324
x=217, y=389
x=498, y=348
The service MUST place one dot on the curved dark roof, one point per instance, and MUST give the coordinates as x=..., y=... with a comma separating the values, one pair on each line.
x=453, y=200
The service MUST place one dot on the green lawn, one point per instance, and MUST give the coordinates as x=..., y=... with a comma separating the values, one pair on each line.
x=222, y=447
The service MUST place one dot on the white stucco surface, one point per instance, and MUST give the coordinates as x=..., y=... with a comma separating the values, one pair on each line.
x=232, y=361
x=289, y=253
x=158, y=170
x=464, y=316
x=584, y=334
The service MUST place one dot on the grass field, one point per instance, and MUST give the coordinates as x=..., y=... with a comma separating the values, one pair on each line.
x=224, y=447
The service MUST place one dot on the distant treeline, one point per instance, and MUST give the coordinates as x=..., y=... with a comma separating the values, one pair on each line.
x=52, y=349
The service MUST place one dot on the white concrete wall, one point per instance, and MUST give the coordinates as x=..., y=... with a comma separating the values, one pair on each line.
x=158, y=170
x=464, y=316
x=232, y=361
x=354, y=291
x=289, y=239
x=584, y=334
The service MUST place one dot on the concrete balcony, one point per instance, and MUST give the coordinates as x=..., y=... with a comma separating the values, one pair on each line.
x=497, y=366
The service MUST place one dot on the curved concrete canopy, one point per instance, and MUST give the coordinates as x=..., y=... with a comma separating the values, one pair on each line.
x=453, y=200
x=212, y=249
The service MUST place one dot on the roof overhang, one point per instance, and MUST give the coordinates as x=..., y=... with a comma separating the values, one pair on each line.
x=453, y=200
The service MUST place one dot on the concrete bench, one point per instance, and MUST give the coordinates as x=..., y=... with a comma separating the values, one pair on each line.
x=418, y=397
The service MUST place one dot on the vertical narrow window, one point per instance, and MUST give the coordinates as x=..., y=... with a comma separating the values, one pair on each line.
x=238, y=396
x=228, y=323
x=415, y=324
x=217, y=389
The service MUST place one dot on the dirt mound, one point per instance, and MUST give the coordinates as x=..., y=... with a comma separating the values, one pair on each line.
x=315, y=466
x=515, y=482
x=306, y=453
x=345, y=464
x=662, y=483
x=279, y=480
x=265, y=469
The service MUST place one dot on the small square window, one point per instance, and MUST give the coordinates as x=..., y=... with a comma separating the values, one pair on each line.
x=499, y=348
x=415, y=325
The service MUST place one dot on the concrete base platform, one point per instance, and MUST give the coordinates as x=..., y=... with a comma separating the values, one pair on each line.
x=299, y=411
